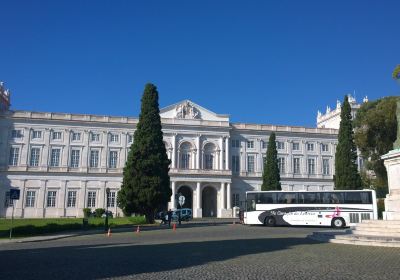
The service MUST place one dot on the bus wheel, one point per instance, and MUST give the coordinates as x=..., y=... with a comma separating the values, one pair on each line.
x=338, y=223
x=269, y=221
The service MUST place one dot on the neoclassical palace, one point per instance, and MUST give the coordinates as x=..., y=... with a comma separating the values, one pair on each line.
x=62, y=163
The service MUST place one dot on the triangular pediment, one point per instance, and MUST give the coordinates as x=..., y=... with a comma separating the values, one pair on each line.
x=188, y=110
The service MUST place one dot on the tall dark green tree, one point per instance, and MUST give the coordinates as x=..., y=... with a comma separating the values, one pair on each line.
x=146, y=183
x=346, y=173
x=271, y=176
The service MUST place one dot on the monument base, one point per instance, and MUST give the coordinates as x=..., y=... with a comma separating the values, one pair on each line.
x=392, y=201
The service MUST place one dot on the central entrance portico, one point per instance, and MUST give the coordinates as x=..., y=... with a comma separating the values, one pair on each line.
x=206, y=198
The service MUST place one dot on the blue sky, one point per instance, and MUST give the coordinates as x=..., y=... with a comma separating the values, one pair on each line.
x=274, y=62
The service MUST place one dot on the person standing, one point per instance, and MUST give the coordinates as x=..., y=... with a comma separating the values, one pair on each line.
x=169, y=213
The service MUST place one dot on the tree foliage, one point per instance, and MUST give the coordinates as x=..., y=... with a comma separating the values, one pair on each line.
x=146, y=183
x=396, y=73
x=346, y=173
x=271, y=176
x=375, y=131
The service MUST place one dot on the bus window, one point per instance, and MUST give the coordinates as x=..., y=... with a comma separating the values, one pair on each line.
x=309, y=198
x=287, y=198
x=332, y=198
x=251, y=202
x=358, y=198
x=267, y=198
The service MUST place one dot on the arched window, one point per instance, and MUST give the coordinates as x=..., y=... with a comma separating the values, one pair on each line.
x=184, y=155
x=209, y=156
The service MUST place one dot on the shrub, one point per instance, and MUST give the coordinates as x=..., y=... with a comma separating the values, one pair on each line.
x=99, y=212
x=87, y=212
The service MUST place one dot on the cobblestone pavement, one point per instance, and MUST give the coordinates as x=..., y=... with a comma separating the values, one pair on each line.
x=198, y=251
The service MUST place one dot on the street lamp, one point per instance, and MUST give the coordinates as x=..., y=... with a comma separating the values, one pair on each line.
x=106, y=221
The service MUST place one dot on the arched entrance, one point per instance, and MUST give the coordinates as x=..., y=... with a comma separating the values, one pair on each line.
x=209, y=203
x=188, y=194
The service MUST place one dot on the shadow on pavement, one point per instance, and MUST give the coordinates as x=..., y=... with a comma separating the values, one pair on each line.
x=121, y=259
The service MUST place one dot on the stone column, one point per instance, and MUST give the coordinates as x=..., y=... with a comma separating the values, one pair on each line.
x=198, y=152
x=173, y=203
x=221, y=155
x=228, y=196
x=46, y=148
x=227, y=153
x=25, y=147
x=173, y=158
x=223, y=196
x=193, y=159
x=199, y=210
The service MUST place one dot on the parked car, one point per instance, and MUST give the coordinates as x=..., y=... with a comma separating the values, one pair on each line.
x=186, y=214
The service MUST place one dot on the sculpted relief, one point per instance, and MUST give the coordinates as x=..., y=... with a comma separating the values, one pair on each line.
x=187, y=111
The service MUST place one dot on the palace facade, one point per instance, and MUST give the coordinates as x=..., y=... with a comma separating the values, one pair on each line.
x=63, y=163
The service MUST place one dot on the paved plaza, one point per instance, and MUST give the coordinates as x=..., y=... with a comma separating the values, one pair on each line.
x=198, y=251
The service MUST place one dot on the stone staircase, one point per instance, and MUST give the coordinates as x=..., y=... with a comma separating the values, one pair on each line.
x=382, y=233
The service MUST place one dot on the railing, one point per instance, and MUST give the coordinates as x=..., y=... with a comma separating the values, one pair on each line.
x=200, y=172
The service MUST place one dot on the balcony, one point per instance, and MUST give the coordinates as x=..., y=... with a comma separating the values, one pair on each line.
x=178, y=171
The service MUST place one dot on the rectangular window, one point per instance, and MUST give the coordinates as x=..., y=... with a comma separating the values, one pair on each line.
x=209, y=161
x=264, y=144
x=95, y=137
x=280, y=145
x=185, y=161
x=16, y=134
x=7, y=201
x=111, y=199
x=55, y=157
x=57, y=135
x=113, y=159
x=51, y=198
x=310, y=146
x=75, y=156
x=296, y=165
x=250, y=144
x=130, y=138
x=250, y=164
x=235, y=143
x=235, y=200
x=91, y=200
x=37, y=134
x=311, y=166
x=235, y=164
x=94, y=158
x=30, y=199
x=325, y=147
x=35, y=155
x=114, y=138
x=76, y=136
x=281, y=165
x=14, y=155
x=71, y=202
x=295, y=146
x=325, y=166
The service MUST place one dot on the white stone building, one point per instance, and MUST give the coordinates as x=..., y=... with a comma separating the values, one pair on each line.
x=63, y=163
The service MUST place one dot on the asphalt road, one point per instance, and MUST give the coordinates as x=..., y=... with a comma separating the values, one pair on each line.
x=198, y=251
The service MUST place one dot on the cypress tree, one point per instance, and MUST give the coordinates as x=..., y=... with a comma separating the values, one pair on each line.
x=271, y=176
x=346, y=173
x=146, y=183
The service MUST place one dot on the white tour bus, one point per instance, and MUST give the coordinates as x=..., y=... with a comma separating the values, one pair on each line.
x=315, y=208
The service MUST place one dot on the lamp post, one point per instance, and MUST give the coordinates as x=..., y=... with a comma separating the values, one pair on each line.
x=106, y=221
